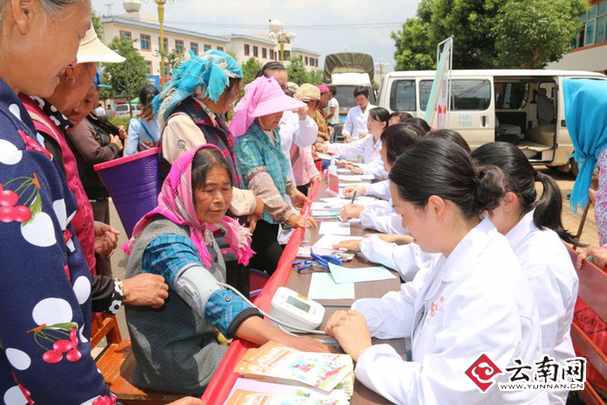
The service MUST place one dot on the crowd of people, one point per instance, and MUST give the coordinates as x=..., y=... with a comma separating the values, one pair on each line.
x=235, y=172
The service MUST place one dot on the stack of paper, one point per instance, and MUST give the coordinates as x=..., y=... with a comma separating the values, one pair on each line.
x=357, y=178
x=323, y=287
x=284, y=365
x=253, y=392
x=334, y=228
x=328, y=241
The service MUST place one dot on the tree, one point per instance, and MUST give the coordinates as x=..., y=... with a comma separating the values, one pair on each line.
x=314, y=77
x=548, y=22
x=479, y=39
x=98, y=25
x=249, y=70
x=129, y=77
x=296, y=70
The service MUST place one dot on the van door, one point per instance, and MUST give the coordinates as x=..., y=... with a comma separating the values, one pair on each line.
x=472, y=108
x=403, y=96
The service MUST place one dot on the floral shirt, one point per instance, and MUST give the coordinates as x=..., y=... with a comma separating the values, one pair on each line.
x=45, y=306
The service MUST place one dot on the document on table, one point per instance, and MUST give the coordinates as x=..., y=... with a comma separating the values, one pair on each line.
x=334, y=228
x=327, y=241
x=323, y=287
x=347, y=275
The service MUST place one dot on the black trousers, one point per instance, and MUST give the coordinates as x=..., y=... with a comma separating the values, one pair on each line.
x=266, y=247
x=304, y=189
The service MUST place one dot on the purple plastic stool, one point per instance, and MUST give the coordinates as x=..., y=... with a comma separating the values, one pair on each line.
x=133, y=183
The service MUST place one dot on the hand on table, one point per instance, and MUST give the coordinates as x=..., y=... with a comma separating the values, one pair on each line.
x=354, y=169
x=360, y=189
x=349, y=245
x=106, y=238
x=351, y=211
x=321, y=147
x=304, y=343
x=299, y=221
x=145, y=290
x=350, y=330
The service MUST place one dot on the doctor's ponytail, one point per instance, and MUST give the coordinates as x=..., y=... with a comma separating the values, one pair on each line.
x=520, y=179
x=440, y=167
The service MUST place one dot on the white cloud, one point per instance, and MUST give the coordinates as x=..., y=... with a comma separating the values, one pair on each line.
x=300, y=14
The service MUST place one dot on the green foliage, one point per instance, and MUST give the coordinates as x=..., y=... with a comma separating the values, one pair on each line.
x=120, y=121
x=171, y=61
x=297, y=70
x=551, y=23
x=488, y=33
x=97, y=25
x=314, y=77
x=129, y=77
x=249, y=70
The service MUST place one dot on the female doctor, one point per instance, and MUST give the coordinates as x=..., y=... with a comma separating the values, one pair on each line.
x=535, y=232
x=472, y=300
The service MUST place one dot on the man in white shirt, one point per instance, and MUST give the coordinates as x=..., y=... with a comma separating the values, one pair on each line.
x=356, y=121
x=332, y=112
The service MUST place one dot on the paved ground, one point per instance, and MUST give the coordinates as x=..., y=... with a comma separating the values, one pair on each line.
x=571, y=222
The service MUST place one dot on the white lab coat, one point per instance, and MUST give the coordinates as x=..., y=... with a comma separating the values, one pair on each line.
x=554, y=282
x=365, y=151
x=380, y=189
x=356, y=121
x=294, y=131
x=380, y=216
x=475, y=301
x=408, y=259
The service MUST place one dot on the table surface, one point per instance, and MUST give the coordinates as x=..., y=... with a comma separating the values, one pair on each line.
x=220, y=385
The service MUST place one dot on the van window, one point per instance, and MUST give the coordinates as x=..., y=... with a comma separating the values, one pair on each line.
x=510, y=95
x=402, y=96
x=466, y=94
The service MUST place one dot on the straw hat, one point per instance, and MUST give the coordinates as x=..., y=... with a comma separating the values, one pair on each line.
x=92, y=50
x=307, y=92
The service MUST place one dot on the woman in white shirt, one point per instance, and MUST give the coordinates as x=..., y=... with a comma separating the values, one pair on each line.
x=473, y=300
x=365, y=152
x=380, y=214
x=534, y=229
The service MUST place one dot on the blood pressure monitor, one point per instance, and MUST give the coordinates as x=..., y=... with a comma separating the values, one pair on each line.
x=296, y=310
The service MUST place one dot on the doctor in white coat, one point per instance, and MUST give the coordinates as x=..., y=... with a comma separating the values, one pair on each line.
x=472, y=300
x=380, y=215
x=534, y=229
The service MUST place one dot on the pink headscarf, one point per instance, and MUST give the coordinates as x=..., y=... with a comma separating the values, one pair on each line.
x=263, y=96
x=176, y=203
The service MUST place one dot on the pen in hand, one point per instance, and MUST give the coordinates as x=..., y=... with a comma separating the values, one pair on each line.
x=353, y=196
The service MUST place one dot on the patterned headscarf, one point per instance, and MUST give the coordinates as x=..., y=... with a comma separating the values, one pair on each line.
x=176, y=203
x=211, y=72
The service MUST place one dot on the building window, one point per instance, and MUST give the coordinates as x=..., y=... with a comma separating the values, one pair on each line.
x=247, y=49
x=255, y=51
x=194, y=48
x=126, y=35
x=165, y=43
x=145, y=42
x=207, y=47
x=594, y=30
x=307, y=61
x=264, y=53
x=220, y=48
x=272, y=54
x=149, y=65
x=286, y=55
x=179, y=46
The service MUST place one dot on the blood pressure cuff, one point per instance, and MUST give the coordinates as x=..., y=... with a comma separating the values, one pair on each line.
x=227, y=311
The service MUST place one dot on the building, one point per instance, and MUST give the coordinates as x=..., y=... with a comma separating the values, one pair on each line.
x=590, y=45
x=145, y=37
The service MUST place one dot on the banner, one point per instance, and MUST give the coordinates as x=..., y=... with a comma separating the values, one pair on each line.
x=438, y=103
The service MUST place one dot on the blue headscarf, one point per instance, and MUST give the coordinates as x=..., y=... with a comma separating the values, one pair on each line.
x=211, y=72
x=586, y=118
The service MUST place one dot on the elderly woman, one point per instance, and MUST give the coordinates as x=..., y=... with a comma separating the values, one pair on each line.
x=264, y=166
x=190, y=112
x=176, y=348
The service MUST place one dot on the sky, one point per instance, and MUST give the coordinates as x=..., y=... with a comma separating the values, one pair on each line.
x=325, y=26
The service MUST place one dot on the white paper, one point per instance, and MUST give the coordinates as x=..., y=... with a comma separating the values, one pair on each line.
x=328, y=241
x=346, y=275
x=323, y=287
x=324, y=156
x=293, y=391
x=355, y=177
x=334, y=228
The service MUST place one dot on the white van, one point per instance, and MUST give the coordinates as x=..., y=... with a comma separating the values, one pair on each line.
x=524, y=107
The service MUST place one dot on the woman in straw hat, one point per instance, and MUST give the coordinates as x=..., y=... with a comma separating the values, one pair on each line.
x=264, y=166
